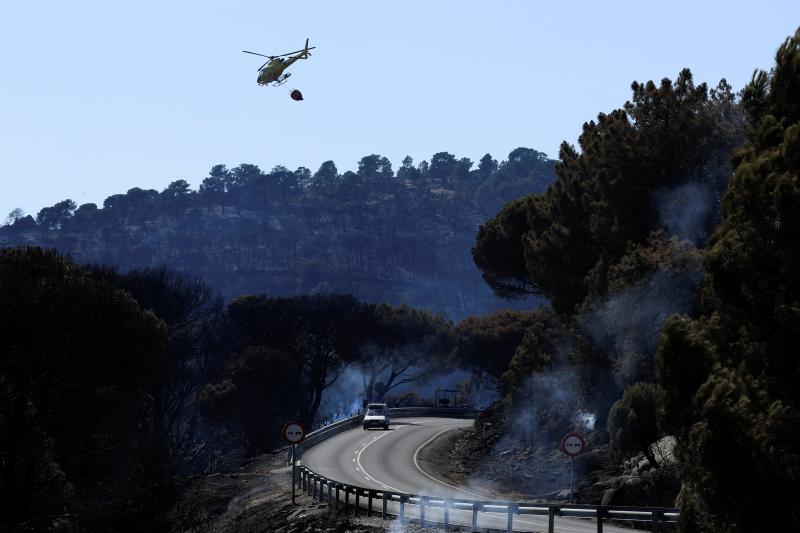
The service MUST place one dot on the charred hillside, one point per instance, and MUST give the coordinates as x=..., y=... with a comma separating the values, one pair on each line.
x=381, y=235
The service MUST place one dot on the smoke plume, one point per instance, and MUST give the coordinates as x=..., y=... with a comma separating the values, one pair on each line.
x=627, y=325
x=687, y=212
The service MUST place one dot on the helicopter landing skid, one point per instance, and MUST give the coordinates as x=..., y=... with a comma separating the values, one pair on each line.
x=280, y=81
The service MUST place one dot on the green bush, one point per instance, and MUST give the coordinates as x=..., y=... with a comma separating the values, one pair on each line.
x=633, y=422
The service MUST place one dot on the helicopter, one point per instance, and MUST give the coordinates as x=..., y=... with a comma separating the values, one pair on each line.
x=272, y=69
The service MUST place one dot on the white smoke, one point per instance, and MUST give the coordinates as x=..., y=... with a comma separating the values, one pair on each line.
x=687, y=211
x=627, y=325
x=585, y=419
x=344, y=397
x=546, y=407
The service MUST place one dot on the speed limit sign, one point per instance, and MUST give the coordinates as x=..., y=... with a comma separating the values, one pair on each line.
x=294, y=432
x=572, y=444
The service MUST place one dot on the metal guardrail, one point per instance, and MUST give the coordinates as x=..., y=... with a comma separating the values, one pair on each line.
x=339, y=493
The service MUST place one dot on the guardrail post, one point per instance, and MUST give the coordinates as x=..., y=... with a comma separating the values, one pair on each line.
x=369, y=503
x=511, y=508
x=551, y=518
x=602, y=512
x=358, y=497
x=322, y=483
x=656, y=516
x=446, y=515
x=383, y=512
x=312, y=486
x=475, y=508
x=422, y=501
x=403, y=499
x=346, y=497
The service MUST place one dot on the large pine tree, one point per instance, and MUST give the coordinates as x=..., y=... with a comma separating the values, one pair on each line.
x=563, y=242
x=732, y=375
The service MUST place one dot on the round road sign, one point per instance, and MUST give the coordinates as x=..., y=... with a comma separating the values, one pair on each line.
x=294, y=432
x=572, y=444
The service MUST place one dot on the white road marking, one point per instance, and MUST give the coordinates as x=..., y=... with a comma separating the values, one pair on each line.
x=370, y=478
x=416, y=463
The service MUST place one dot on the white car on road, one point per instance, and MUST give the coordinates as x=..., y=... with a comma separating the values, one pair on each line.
x=377, y=415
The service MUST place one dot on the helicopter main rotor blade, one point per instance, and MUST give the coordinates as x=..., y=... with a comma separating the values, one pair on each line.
x=295, y=52
x=257, y=54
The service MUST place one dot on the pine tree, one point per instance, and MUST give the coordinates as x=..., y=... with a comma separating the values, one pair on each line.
x=731, y=375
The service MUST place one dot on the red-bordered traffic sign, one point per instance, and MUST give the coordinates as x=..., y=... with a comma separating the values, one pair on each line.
x=294, y=432
x=573, y=444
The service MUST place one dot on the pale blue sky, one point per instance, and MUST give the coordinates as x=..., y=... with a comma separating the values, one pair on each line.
x=99, y=97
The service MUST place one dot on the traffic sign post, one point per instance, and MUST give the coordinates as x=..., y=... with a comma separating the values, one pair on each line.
x=572, y=444
x=294, y=433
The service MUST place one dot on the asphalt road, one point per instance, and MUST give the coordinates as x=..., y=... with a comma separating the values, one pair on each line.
x=387, y=460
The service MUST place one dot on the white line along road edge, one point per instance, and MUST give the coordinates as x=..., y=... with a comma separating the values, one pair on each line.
x=416, y=463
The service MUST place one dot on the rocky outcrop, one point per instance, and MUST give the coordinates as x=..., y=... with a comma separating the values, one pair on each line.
x=637, y=482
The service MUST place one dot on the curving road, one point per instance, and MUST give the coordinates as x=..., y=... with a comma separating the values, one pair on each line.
x=387, y=460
